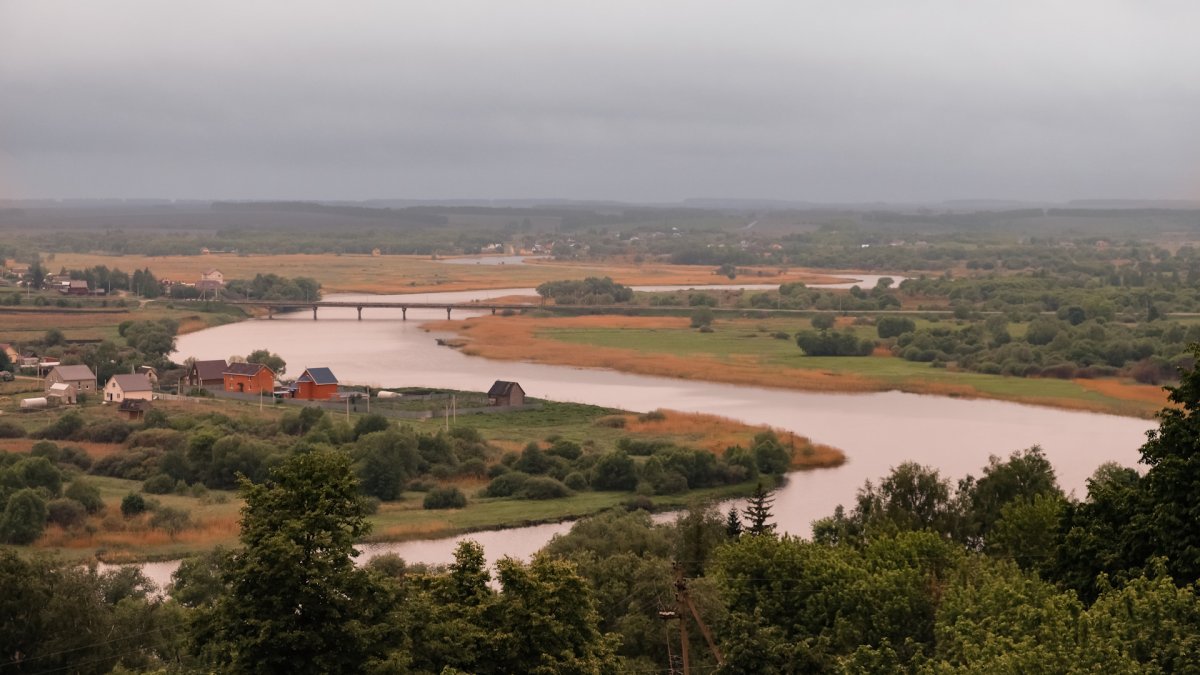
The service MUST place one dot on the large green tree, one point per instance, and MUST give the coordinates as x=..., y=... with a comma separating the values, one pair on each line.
x=296, y=603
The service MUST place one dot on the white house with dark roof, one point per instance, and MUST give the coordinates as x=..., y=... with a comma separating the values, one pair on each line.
x=130, y=386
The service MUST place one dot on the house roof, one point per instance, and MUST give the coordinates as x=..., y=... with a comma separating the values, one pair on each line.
x=133, y=382
x=502, y=388
x=134, y=405
x=318, y=376
x=244, y=368
x=78, y=283
x=74, y=373
x=211, y=370
x=60, y=387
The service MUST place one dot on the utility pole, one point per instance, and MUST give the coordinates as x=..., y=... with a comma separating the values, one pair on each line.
x=684, y=601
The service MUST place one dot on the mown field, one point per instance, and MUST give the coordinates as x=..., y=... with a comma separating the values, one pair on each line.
x=748, y=351
x=413, y=274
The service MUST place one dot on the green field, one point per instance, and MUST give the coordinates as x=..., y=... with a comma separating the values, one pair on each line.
x=737, y=341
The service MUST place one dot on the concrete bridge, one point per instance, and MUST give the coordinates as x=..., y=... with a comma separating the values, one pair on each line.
x=273, y=306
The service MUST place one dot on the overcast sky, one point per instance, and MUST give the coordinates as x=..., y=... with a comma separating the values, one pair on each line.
x=844, y=100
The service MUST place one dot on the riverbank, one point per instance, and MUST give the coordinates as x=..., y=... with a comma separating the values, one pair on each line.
x=212, y=515
x=750, y=352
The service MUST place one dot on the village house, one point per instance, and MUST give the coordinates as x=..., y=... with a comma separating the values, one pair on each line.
x=134, y=409
x=207, y=373
x=506, y=394
x=11, y=352
x=249, y=378
x=211, y=281
x=62, y=393
x=80, y=376
x=75, y=287
x=316, y=384
x=128, y=386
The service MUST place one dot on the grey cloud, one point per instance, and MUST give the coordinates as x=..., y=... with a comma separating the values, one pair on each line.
x=642, y=101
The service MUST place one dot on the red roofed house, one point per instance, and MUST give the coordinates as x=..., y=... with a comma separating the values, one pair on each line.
x=249, y=378
x=317, y=384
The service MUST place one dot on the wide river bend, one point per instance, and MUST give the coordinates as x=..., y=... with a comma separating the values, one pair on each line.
x=876, y=430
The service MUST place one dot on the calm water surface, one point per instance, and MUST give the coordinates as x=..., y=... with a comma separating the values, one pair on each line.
x=876, y=430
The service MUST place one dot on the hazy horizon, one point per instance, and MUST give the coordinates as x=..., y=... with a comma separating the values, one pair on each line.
x=900, y=103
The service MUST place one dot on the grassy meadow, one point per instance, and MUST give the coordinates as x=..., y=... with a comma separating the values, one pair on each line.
x=748, y=351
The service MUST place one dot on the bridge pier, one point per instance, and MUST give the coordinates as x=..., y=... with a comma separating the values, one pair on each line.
x=404, y=314
x=493, y=311
x=270, y=312
x=314, y=312
x=447, y=313
x=360, y=313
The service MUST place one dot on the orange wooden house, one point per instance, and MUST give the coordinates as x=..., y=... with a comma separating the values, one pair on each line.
x=249, y=378
x=317, y=384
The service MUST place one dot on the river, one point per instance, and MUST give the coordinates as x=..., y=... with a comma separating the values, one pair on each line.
x=876, y=430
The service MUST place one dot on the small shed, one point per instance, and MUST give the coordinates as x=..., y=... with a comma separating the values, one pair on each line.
x=207, y=373
x=506, y=394
x=134, y=408
x=249, y=378
x=317, y=384
x=149, y=372
x=130, y=386
x=62, y=393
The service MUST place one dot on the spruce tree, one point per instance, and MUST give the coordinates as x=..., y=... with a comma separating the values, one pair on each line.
x=758, y=512
x=733, y=523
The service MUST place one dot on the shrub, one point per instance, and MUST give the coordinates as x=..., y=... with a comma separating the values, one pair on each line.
x=11, y=430
x=641, y=448
x=702, y=318
x=369, y=424
x=568, y=450
x=421, y=486
x=62, y=428
x=611, y=421
x=614, y=471
x=532, y=460
x=24, y=517
x=106, y=431
x=475, y=468
x=544, y=487
x=506, y=485
x=833, y=343
x=85, y=493
x=166, y=439
x=73, y=454
x=576, y=481
x=652, y=416
x=133, y=504
x=170, y=520
x=66, y=512
x=822, y=321
x=445, y=498
x=46, y=449
x=639, y=503
x=158, y=484
x=38, y=472
x=894, y=326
